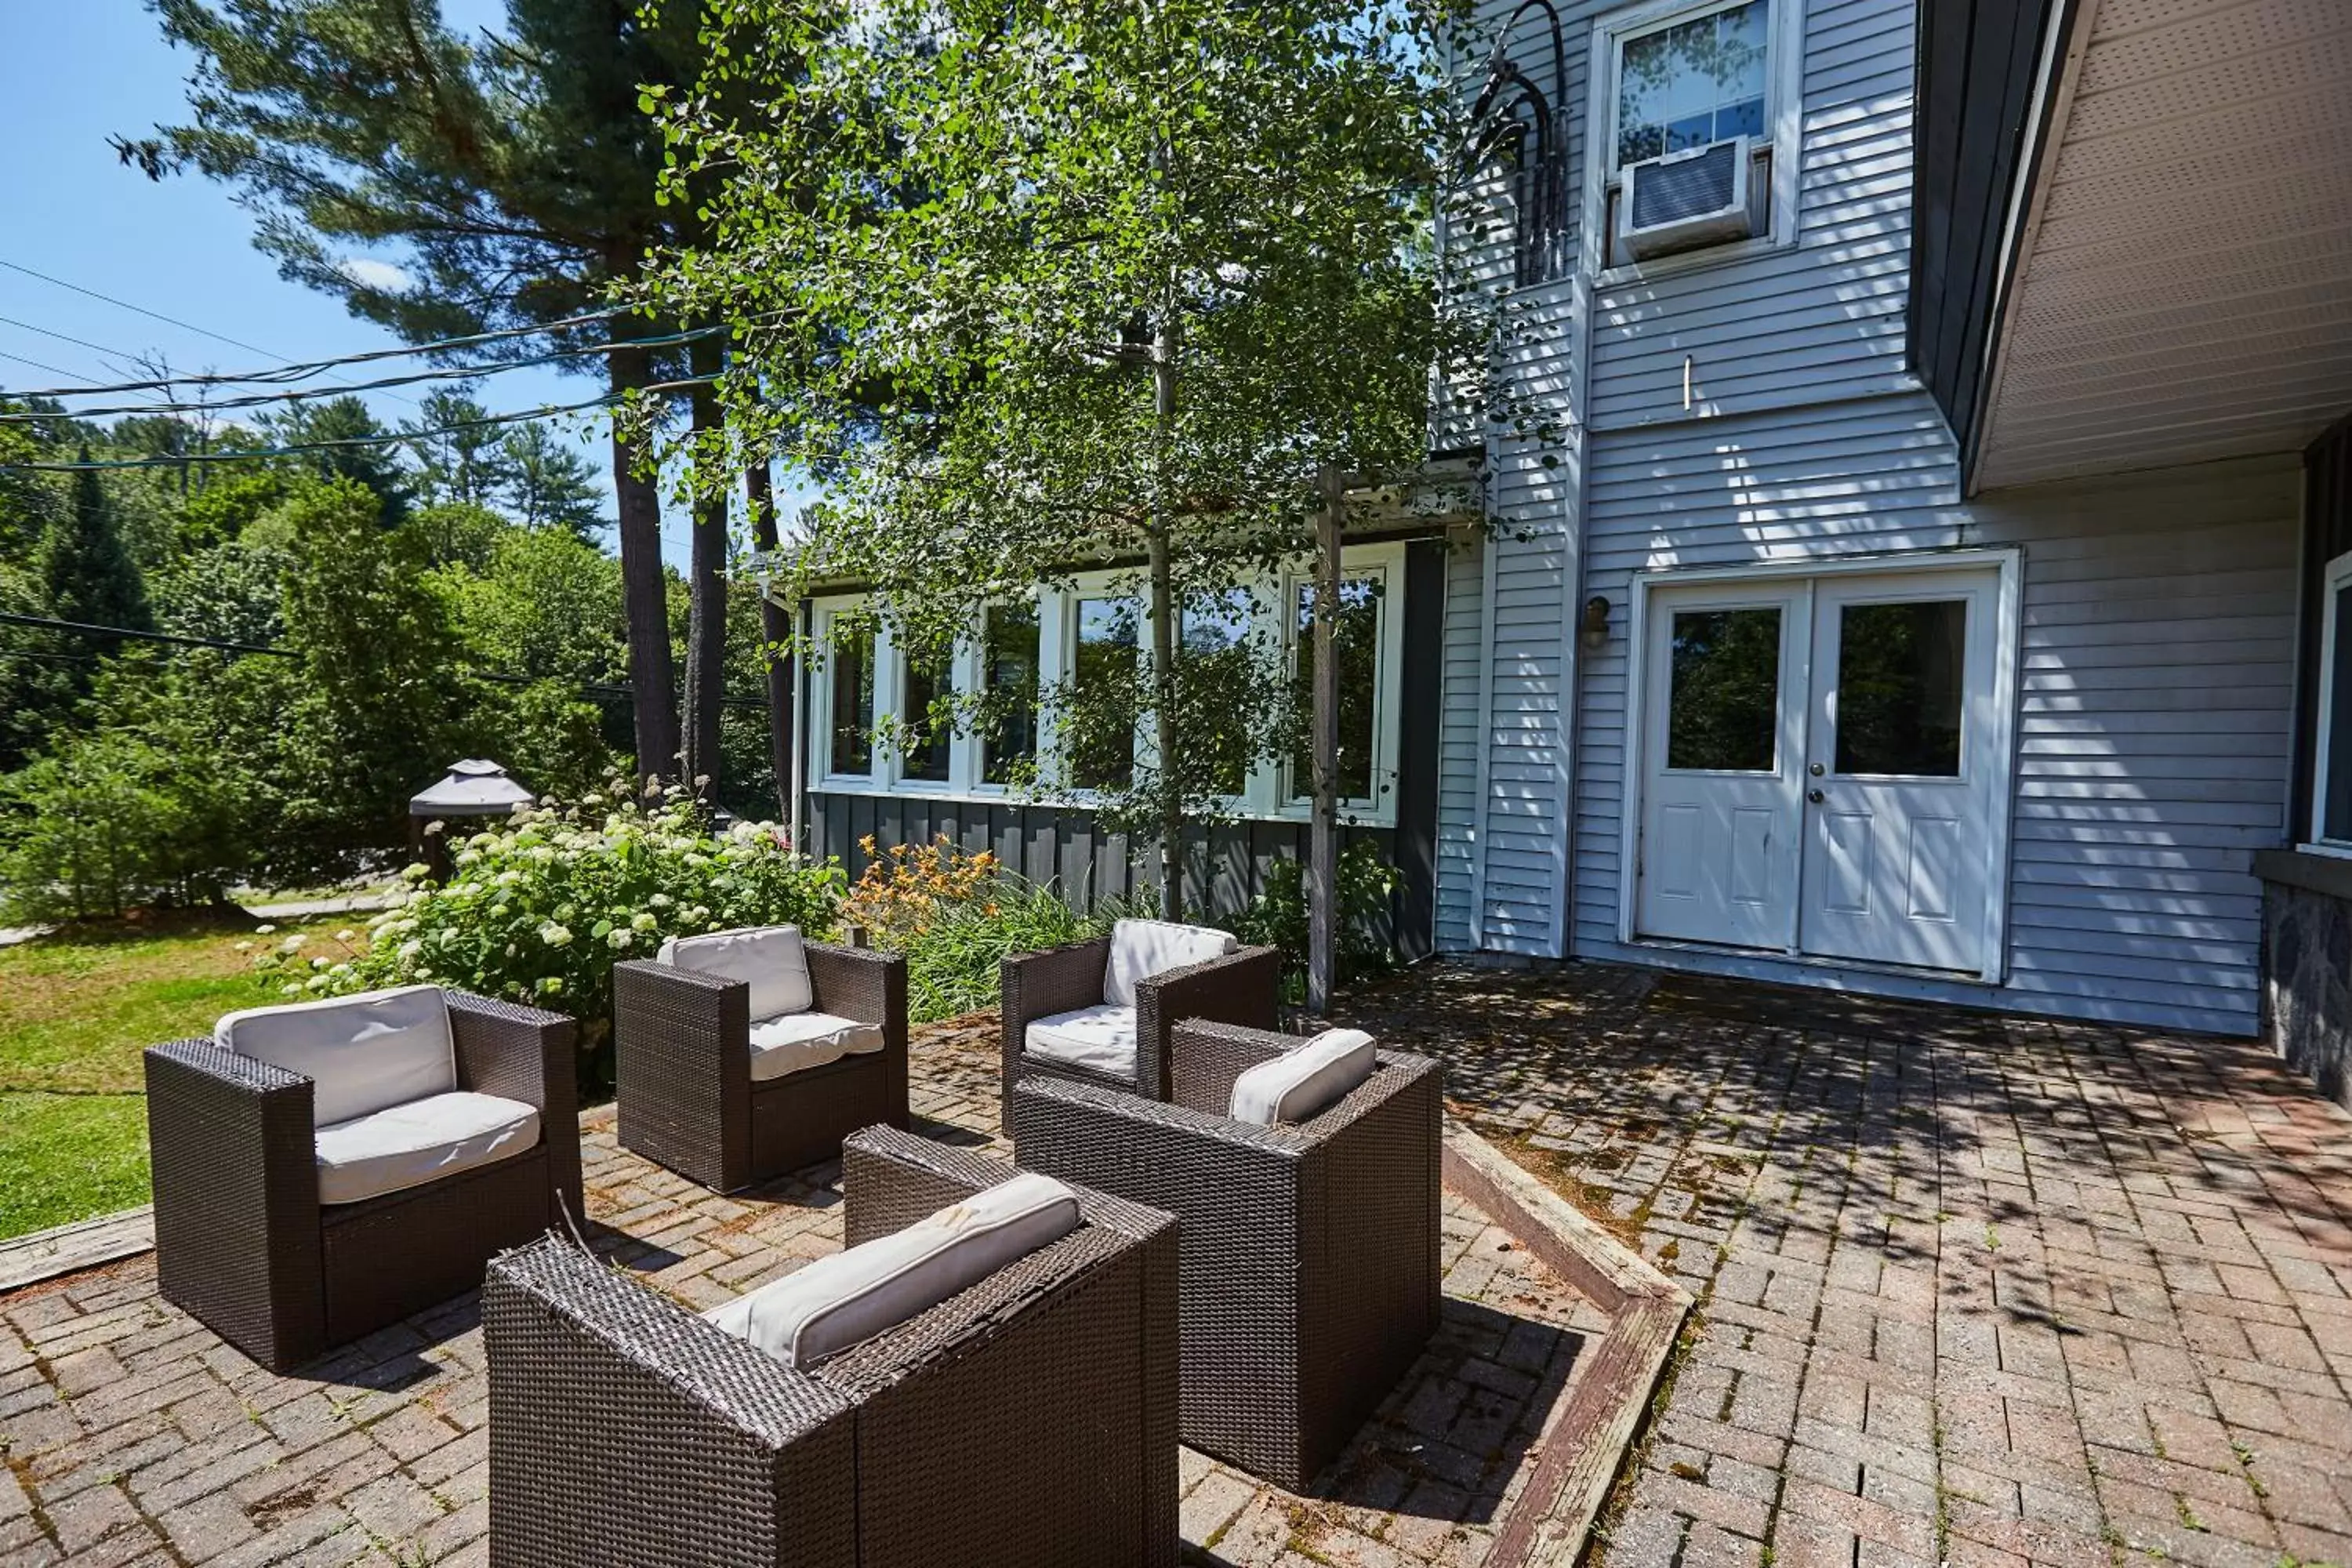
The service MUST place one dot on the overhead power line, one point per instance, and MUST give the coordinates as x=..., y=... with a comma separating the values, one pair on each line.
x=452, y=373
x=387, y=438
x=77, y=342
x=155, y=315
x=36, y=365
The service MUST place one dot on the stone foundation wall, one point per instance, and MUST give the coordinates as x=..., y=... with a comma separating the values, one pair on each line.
x=2308, y=983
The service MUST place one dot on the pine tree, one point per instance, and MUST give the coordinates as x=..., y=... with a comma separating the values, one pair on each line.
x=87, y=574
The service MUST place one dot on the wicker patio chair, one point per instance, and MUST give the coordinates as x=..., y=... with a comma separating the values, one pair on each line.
x=1027, y=1422
x=1311, y=1252
x=1242, y=985
x=684, y=1068
x=247, y=1245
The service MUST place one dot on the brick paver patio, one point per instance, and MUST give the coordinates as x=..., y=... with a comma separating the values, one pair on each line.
x=133, y=1436
x=1974, y=1289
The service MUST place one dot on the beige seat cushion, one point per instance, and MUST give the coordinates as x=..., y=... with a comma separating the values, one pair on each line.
x=362, y=1053
x=408, y=1146
x=770, y=959
x=1141, y=949
x=852, y=1296
x=798, y=1041
x=1297, y=1084
x=1100, y=1039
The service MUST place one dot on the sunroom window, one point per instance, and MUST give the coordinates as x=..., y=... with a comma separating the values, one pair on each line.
x=1355, y=641
x=1009, y=674
x=851, y=706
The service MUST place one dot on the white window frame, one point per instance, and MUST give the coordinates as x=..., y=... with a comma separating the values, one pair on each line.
x=823, y=613
x=1265, y=797
x=1784, y=81
x=2335, y=577
x=1382, y=563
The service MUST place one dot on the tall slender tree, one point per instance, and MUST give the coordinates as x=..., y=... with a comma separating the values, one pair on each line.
x=87, y=571
x=511, y=176
x=1134, y=277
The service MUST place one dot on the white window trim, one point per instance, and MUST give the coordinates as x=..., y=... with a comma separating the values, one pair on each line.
x=823, y=613
x=1264, y=798
x=2336, y=576
x=1784, y=78
x=1385, y=565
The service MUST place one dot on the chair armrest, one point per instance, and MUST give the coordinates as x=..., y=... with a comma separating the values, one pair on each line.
x=861, y=983
x=1058, y=980
x=235, y=1157
x=627, y=1430
x=534, y=1056
x=682, y=1069
x=1205, y=1059
x=891, y=1179
x=1244, y=987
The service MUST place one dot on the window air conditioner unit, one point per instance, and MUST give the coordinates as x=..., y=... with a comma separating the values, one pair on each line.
x=1696, y=196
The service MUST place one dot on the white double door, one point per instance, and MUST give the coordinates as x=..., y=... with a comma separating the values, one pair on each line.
x=1820, y=765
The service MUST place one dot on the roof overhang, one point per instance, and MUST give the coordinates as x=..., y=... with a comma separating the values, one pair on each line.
x=2171, y=280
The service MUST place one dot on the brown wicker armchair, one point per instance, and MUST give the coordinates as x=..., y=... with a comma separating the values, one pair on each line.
x=244, y=1242
x=1311, y=1252
x=1027, y=1422
x=682, y=1069
x=1244, y=987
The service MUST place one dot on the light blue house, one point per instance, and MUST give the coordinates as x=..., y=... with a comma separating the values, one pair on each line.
x=1917, y=611
x=1933, y=595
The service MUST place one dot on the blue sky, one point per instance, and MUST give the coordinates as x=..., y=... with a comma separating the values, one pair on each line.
x=72, y=74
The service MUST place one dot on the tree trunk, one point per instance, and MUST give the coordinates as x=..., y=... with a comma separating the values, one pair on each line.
x=706, y=626
x=776, y=630
x=1323, y=834
x=644, y=594
x=1164, y=632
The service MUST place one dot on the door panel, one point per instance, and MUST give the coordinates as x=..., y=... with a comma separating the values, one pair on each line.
x=1720, y=796
x=1902, y=716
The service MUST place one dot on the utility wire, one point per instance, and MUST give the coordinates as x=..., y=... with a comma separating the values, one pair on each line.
x=77, y=342
x=295, y=448
x=286, y=373
x=157, y=315
x=257, y=399
x=36, y=365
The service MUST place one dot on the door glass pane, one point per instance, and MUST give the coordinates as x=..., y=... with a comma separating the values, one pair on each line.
x=1101, y=726
x=852, y=749
x=924, y=681
x=1722, y=713
x=1214, y=681
x=1356, y=637
x=1899, y=694
x=2336, y=811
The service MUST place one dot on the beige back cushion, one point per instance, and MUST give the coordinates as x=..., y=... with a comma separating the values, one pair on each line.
x=363, y=1052
x=1298, y=1084
x=852, y=1296
x=769, y=958
x=1141, y=949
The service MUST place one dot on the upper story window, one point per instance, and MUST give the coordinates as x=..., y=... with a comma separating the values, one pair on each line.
x=1696, y=82
x=1696, y=98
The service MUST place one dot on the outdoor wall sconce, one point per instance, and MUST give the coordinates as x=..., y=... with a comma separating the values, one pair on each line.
x=1592, y=630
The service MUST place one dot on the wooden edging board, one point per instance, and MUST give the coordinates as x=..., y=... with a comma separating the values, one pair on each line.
x=70, y=1248
x=1585, y=1439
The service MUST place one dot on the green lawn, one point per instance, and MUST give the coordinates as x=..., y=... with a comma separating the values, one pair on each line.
x=76, y=1009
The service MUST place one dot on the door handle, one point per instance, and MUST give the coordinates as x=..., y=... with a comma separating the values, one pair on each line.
x=1814, y=795
x=1815, y=770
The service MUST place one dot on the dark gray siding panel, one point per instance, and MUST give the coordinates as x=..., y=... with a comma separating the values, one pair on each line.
x=1979, y=64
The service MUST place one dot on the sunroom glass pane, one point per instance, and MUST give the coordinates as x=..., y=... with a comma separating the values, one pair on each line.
x=1214, y=680
x=1101, y=724
x=852, y=749
x=928, y=733
x=1356, y=638
x=1009, y=721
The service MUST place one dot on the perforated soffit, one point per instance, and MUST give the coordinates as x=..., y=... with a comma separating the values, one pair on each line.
x=2186, y=291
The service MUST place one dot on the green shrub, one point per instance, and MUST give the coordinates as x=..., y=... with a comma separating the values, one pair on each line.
x=109, y=822
x=1277, y=916
x=539, y=908
x=953, y=961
